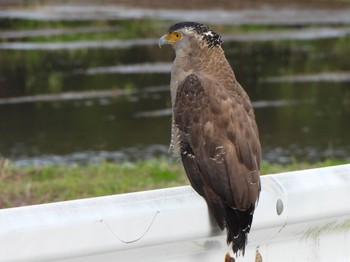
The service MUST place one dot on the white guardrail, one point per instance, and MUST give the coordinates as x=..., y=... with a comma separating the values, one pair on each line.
x=301, y=216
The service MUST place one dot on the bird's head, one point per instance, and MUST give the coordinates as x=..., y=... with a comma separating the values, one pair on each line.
x=188, y=36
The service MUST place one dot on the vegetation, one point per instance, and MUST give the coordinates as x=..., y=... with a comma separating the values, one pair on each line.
x=54, y=71
x=41, y=184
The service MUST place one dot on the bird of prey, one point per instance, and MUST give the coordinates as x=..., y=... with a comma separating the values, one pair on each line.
x=214, y=129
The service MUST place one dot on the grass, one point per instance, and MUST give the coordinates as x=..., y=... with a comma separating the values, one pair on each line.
x=31, y=185
x=41, y=184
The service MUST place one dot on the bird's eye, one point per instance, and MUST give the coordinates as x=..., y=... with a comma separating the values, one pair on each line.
x=177, y=35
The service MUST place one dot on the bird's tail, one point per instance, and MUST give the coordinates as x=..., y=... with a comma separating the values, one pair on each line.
x=238, y=226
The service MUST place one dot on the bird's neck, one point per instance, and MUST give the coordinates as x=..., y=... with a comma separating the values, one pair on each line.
x=210, y=62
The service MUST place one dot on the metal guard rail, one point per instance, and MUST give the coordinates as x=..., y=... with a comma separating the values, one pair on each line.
x=301, y=216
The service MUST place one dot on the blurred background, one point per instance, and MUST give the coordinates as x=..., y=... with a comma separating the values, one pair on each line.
x=85, y=81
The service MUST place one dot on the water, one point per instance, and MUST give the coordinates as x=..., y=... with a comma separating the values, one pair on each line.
x=68, y=103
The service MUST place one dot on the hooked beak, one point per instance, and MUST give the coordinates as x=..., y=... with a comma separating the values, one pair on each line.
x=163, y=40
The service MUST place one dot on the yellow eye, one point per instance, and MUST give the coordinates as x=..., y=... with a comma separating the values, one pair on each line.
x=177, y=35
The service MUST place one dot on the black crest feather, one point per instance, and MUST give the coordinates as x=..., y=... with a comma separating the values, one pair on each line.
x=212, y=38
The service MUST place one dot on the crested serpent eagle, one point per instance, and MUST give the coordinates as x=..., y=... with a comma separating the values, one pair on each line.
x=214, y=129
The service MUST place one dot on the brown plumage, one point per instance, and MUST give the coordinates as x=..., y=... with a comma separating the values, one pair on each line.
x=214, y=129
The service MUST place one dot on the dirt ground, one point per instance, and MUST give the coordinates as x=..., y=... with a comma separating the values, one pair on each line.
x=186, y=4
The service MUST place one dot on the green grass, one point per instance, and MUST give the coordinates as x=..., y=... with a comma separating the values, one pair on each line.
x=33, y=185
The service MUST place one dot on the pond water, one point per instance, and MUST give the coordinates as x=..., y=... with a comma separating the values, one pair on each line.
x=66, y=105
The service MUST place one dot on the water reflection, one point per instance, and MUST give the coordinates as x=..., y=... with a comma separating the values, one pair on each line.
x=321, y=77
x=271, y=15
x=80, y=105
x=85, y=157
